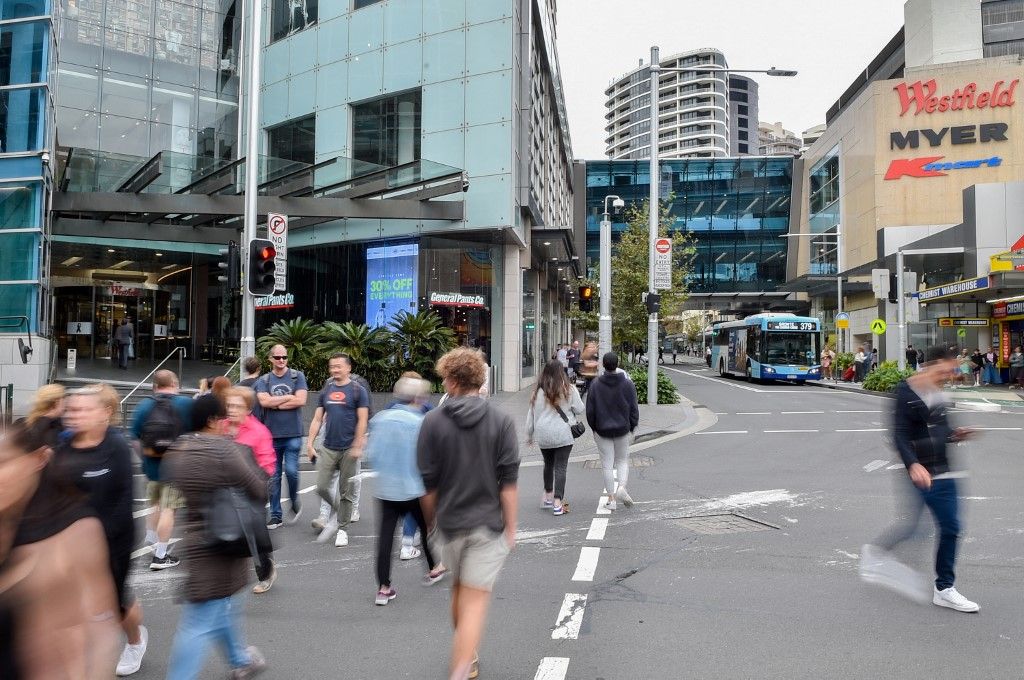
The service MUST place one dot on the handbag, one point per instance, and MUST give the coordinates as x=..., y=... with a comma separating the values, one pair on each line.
x=236, y=524
x=576, y=428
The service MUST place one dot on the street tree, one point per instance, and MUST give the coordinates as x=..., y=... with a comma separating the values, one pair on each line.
x=629, y=274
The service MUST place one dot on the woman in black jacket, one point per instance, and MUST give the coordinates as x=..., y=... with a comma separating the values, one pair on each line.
x=613, y=414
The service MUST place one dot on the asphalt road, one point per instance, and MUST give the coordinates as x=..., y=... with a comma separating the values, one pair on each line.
x=799, y=477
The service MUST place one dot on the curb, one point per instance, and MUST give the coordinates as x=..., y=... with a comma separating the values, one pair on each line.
x=852, y=390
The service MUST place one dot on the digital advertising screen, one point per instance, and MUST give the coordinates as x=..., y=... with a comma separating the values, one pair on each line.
x=392, y=278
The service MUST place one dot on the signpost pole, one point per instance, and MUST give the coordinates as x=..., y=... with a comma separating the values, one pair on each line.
x=252, y=100
x=604, y=322
x=901, y=355
x=654, y=213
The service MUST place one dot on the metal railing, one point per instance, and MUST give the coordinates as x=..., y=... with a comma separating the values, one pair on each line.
x=6, y=405
x=231, y=368
x=180, y=351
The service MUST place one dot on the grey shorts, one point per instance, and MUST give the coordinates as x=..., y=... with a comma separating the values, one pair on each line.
x=474, y=558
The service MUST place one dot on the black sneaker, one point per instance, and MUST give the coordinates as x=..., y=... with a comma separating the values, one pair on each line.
x=165, y=562
x=274, y=523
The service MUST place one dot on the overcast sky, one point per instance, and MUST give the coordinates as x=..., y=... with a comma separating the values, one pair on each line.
x=828, y=42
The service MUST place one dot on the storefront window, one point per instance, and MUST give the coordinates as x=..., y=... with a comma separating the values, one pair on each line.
x=529, y=347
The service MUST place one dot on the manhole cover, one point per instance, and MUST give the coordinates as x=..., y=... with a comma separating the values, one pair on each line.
x=727, y=523
x=634, y=462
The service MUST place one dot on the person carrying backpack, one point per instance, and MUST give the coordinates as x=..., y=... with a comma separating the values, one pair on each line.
x=157, y=423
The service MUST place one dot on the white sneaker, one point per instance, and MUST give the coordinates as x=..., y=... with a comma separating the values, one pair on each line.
x=880, y=568
x=409, y=553
x=954, y=600
x=624, y=496
x=610, y=504
x=327, y=531
x=131, y=656
x=355, y=515
x=341, y=540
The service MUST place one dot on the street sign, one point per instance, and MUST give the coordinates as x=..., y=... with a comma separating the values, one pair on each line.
x=956, y=322
x=961, y=332
x=663, y=264
x=878, y=327
x=842, y=320
x=277, y=232
x=72, y=360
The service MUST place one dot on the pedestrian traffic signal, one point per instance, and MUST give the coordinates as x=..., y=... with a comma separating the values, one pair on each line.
x=893, y=288
x=232, y=266
x=653, y=301
x=262, y=270
x=586, y=299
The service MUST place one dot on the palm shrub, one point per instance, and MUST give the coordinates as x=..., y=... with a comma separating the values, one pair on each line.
x=667, y=393
x=302, y=338
x=371, y=350
x=420, y=340
x=886, y=377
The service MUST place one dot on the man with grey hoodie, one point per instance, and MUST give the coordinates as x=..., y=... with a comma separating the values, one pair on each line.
x=469, y=458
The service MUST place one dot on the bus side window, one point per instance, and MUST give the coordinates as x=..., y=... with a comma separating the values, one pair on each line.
x=754, y=342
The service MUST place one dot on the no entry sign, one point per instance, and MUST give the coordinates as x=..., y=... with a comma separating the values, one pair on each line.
x=662, y=264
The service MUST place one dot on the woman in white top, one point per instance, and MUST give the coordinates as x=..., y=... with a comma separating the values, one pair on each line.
x=554, y=408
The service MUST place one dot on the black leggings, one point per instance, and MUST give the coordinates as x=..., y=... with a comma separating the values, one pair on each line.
x=555, y=463
x=390, y=512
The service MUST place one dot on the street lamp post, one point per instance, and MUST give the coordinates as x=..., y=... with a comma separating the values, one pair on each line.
x=654, y=212
x=252, y=162
x=605, y=280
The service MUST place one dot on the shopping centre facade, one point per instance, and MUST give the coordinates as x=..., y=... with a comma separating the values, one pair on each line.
x=419, y=139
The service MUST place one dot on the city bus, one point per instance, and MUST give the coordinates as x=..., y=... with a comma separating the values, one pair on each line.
x=768, y=347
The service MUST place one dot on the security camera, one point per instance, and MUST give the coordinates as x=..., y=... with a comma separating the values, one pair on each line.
x=618, y=203
x=465, y=184
x=45, y=158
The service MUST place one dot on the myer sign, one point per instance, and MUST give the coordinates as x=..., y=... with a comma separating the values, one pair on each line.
x=456, y=300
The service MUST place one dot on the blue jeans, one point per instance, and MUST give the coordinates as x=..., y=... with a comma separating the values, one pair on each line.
x=942, y=501
x=409, y=527
x=991, y=375
x=200, y=624
x=287, y=451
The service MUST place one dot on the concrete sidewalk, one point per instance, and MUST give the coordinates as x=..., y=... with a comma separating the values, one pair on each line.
x=982, y=398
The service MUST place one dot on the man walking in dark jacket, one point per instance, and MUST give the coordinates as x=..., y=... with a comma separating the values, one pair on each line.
x=922, y=434
x=613, y=414
x=469, y=457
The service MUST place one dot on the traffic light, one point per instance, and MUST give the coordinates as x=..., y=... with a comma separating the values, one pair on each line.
x=232, y=266
x=893, y=288
x=262, y=270
x=653, y=302
x=586, y=299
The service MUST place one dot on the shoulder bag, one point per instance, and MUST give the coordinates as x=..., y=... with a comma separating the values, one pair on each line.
x=576, y=428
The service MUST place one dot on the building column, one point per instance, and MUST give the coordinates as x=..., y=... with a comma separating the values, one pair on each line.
x=511, y=321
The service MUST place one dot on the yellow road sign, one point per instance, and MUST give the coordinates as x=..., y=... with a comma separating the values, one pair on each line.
x=961, y=332
x=878, y=327
x=842, y=323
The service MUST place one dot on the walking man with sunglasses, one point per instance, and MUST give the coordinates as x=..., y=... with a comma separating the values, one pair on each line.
x=282, y=394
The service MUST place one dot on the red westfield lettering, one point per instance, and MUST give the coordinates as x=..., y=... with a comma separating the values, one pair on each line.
x=923, y=98
x=913, y=167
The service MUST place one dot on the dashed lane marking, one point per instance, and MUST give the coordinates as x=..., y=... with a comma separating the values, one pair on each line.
x=898, y=466
x=552, y=668
x=875, y=464
x=1009, y=429
x=598, y=526
x=866, y=429
x=570, y=617
x=587, y=564
x=787, y=431
x=856, y=411
x=723, y=432
x=601, y=510
x=754, y=413
x=799, y=413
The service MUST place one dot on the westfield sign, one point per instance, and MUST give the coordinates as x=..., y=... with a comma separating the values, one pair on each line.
x=924, y=97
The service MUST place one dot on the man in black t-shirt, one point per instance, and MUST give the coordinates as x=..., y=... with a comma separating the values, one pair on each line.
x=344, y=405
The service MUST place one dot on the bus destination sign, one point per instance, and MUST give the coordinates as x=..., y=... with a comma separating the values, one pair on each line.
x=792, y=326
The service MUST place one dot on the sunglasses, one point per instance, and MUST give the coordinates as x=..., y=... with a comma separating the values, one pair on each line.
x=279, y=358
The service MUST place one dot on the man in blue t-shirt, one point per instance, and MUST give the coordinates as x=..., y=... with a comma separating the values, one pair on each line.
x=163, y=498
x=282, y=394
x=346, y=407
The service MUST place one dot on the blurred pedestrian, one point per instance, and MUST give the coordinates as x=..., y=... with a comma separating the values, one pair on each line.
x=613, y=414
x=251, y=367
x=46, y=415
x=391, y=451
x=282, y=394
x=549, y=424
x=827, y=358
x=97, y=459
x=1016, y=368
x=469, y=457
x=978, y=361
x=343, y=410
x=911, y=356
x=991, y=368
x=124, y=336
x=58, y=608
x=157, y=422
x=199, y=464
x=246, y=430
x=411, y=536
x=922, y=435
x=859, y=363
x=572, y=355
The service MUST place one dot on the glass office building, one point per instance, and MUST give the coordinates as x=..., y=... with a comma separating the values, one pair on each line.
x=737, y=210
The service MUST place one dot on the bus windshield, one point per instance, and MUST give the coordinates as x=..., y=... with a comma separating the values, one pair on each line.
x=791, y=348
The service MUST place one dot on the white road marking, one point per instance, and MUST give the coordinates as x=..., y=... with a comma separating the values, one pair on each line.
x=1010, y=429
x=865, y=429
x=754, y=413
x=601, y=510
x=150, y=548
x=898, y=466
x=552, y=668
x=570, y=617
x=598, y=526
x=799, y=413
x=722, y=432
x=786, y=431
x=858, y=411
x=875, y=464
x=587, y=564
x=142, y=513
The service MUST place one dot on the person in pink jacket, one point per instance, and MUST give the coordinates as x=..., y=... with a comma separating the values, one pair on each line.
x=246, y=429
